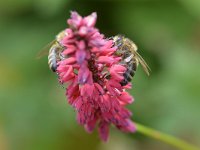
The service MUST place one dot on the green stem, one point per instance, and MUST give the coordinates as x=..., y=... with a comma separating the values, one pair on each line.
x=178, y=143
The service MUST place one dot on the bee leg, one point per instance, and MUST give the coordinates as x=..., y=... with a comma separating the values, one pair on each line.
x=107, y=76
x=60, y=82
x=61, y=56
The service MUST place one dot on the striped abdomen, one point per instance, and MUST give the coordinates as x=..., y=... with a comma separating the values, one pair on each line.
x=54, y=56
x=130, y=72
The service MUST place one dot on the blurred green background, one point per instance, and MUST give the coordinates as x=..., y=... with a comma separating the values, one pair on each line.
x=34, y=114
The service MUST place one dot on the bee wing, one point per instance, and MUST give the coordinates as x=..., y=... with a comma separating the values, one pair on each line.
x=45, y=50
x=144, y=65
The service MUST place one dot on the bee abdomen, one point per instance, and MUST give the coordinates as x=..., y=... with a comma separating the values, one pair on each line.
x=128, y=75
x=52, y=59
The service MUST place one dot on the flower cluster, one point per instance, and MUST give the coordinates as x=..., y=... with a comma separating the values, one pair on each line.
x=93, y=74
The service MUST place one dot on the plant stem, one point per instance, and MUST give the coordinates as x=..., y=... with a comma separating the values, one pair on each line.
x=171, y=140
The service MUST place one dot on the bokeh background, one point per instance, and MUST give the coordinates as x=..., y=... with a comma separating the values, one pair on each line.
x=34, y=114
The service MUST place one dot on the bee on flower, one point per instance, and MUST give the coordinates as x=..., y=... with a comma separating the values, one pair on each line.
x=88, y=58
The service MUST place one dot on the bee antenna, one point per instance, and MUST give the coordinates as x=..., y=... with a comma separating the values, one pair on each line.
x=62, y=86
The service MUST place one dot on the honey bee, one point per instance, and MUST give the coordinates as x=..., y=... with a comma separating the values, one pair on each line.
x=54, y=49
x=127, y=50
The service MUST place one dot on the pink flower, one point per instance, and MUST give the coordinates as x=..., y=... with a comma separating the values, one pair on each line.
x=92, y=73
